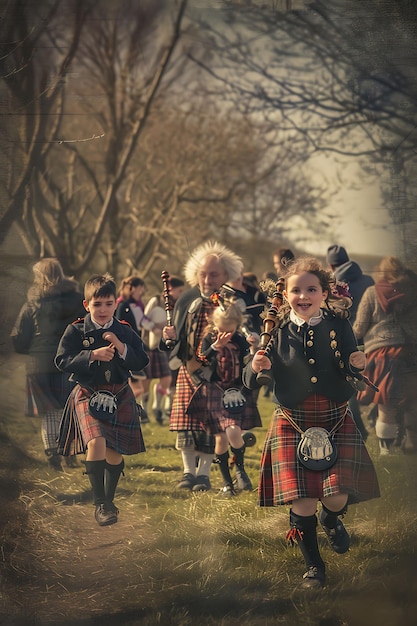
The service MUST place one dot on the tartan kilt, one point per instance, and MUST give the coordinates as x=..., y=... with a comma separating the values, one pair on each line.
x=207, y=411
x=78, y=426
x=158, y=366
x=283, y=478
x=179, y=418
x=386, y=367
x=46, y=392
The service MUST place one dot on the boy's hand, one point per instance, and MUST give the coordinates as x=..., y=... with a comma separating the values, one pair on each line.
x=106, y=353
x=114, y=341
x=357, y=360
x=260, y=362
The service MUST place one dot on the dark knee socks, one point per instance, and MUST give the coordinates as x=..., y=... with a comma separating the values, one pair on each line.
x=303, y=532
x=104, y=479
x=111, y=478
x=329, y=518
x=223, y=461
x=95, y=473
x=239, y=454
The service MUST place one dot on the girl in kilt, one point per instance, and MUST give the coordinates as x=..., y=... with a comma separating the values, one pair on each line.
x=101, y=416
x=313, y=361
x=222, y=405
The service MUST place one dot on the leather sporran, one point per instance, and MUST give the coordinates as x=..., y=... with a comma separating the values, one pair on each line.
x=103, y=405
x=317, y=450
x=233, y=400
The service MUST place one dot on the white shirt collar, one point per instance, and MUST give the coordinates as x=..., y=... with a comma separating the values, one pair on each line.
x=313, y=321
x=98, y=327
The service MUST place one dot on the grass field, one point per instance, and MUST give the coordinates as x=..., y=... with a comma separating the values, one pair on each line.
x=185, y=559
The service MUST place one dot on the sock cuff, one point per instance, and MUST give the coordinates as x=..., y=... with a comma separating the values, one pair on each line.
x=384, y=430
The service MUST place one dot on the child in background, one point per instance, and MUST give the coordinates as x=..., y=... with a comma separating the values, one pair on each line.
x=101, y=417
x=313, y=360
x=228, y=407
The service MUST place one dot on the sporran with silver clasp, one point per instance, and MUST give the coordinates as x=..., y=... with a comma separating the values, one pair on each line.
x=316, y=450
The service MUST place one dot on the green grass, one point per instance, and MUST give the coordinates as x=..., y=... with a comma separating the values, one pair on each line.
x=184, y=559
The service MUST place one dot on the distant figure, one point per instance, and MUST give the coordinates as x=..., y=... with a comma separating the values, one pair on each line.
x=386, y=321
x=281, y=258
x=349, y=272
x=53, y=302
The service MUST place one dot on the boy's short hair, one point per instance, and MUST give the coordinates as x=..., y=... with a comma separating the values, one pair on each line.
x=100, y=286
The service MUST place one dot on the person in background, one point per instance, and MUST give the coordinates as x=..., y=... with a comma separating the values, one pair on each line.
x=281, y=258
x=313, y=450
x=386, y=321
x=131, y=309
x=350, y=273
x=101, y=416
x=158, y=367
x=53, y=302
x=228, y=408
x=210, y=266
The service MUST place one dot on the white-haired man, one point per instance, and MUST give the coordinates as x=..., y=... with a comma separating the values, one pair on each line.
x=208, y=268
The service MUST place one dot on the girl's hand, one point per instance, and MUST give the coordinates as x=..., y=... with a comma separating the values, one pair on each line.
x=357, y=360
x=222, y=340
x=260, y=362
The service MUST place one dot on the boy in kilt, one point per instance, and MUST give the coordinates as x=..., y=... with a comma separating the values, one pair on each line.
x=209, y=267
x=313, y=450
x=101, y=417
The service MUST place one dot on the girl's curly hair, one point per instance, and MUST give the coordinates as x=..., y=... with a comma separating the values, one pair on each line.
x=338, y=299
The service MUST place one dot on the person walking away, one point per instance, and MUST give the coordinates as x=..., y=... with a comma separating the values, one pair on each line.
x=385, y=321
x=351, y=274
x=313, y=450
x=101, y=417
x=53, y=301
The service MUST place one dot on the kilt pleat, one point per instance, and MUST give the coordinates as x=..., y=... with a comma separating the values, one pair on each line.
x=282, y=477
x=78, y=426
x=158, y=366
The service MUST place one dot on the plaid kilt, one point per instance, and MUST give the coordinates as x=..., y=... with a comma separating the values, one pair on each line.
x=283, y=478
x=184, y=391
x=158, y=366
x=386, y=367
x=46, y=392
x=207, y=411
x=78, y=427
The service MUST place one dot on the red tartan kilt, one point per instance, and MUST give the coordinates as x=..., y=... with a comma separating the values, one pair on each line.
x=78, y=426
x=207, y=410
x=283, y=479
x=386, y=367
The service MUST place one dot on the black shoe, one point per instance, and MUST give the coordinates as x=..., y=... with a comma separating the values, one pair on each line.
x=71, y=461
x=202, y=483
x=54, y=461
x=227, y=491
x=243, y=482
x=338, y=537
x=158, y=416
x=314, y=578
x=106, y=514
x=187, y=482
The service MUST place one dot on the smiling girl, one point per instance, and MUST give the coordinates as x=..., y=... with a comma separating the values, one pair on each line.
x=313, y=450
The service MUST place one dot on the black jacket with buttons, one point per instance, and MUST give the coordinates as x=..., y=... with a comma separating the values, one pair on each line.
x=307, y=360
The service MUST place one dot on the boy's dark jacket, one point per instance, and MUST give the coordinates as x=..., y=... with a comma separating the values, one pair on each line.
x=310, y=360
x=73, y=354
